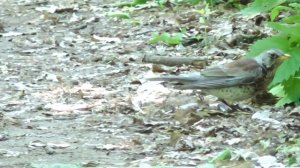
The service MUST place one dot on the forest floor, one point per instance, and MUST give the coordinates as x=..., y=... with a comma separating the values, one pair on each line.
x=74, y=94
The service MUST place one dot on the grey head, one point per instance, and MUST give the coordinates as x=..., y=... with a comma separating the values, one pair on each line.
x=270, y=57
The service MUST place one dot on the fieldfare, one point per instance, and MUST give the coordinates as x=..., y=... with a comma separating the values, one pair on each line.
x=235, y=81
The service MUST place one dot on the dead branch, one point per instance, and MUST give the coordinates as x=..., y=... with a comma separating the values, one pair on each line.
x=173, y=61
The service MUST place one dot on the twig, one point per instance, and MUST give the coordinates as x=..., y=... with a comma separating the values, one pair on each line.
x=172, y=61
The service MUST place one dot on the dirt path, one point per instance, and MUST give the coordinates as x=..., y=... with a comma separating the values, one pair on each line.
x=70, y=91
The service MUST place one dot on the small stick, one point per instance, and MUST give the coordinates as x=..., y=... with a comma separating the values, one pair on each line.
x=173, y=61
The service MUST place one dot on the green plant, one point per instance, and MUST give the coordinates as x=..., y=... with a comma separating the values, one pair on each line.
x=133, y=3
x=261, y=6
x=119, y=15
x=223, y=156
x=204, y=19
x=161, y=3
x=138, y=2
x=187, y=2
x=291, y=151
x=286, y=81
x=167, y=38
x=265, y=144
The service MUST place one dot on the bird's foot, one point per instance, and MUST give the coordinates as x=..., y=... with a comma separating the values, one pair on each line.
x=244, y=108
x=226, y=107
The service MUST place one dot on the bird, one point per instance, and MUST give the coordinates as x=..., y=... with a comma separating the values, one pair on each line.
x=238, y=80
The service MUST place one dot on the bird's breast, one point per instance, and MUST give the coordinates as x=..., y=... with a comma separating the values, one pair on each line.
x=234, y=93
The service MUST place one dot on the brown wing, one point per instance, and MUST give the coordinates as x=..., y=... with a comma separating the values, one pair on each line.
x=244, y=71
x=247, y=69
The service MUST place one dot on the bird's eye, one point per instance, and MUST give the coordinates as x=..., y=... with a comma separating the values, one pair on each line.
x=273, y=55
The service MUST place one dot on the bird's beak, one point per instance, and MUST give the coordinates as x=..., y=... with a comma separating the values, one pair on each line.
x=284, y=57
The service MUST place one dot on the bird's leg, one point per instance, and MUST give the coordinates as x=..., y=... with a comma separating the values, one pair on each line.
x=264, y=98
x=231, y=107
x=225, y=107
x=222, y=105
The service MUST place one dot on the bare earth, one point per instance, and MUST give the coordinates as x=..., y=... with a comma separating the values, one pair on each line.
x=73, y=91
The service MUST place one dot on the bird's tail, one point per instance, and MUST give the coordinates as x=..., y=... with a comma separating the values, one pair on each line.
x=180, y=78
x=194, y=81
x=171, y=79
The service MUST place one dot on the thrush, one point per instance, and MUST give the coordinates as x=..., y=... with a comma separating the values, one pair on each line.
x=235, y=81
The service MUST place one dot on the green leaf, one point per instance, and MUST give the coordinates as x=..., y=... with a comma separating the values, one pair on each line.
x=161, y=3
x=122, y=4
x=283, y=101
x=280, y=42
x=188, y=2
x=138, y=2
x=259, y=6
x=293, y=147
x=177, y=39
x=292, y=88
x=167, y=38
x=224, y=155
x=194, y=2
x=293, y=30
x=278, y=91
x=291, y=19
x=295, y=5
x=155, y=38
x=292, y=160
x=265, y=144
x=288, y=68
x=119, y=15
x=275, y=11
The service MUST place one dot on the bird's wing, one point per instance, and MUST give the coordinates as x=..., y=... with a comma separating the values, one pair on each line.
x=238, y=68
x=239, y=72
x=212, y=83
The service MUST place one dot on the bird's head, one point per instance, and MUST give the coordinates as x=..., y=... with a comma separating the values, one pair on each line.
x=271, y=58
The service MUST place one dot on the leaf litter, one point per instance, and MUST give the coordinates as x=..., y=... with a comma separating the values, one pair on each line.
x=73, y=89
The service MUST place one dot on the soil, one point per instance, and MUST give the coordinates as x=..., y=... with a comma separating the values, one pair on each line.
x=73, y=88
